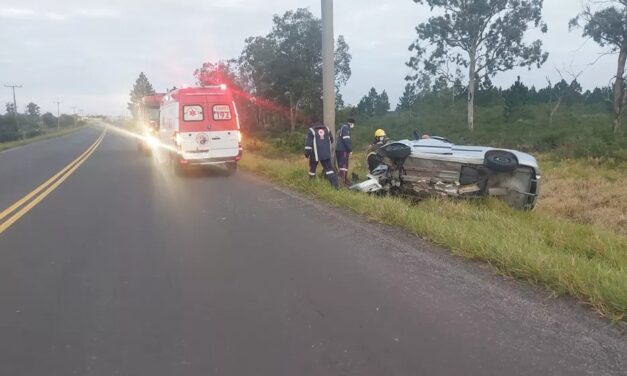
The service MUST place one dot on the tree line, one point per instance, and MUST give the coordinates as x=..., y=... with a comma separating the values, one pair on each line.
x=277, y=78
x=513, y=99
x=31, y=123
x=456, y=53
x=486, y=37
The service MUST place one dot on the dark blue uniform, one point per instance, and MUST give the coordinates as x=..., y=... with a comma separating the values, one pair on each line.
x=318, y=149
x=342, y=151
x=374, y=160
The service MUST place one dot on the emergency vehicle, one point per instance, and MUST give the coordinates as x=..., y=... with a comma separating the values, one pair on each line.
x=148, y=112
x=202, y=127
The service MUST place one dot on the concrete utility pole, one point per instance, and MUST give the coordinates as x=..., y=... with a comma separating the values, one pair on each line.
x=292, y=120
x=17, y=118
x=74, y=114
x=58, y=114
x=328, y=65
x=14, y=101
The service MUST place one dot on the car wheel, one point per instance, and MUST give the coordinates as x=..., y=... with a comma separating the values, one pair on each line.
x=501, y=161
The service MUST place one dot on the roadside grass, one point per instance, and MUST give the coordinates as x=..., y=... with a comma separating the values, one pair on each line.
x=582, y=260
x=589, y=191
x=578, y=131
x=45, y=136
x=586, y=190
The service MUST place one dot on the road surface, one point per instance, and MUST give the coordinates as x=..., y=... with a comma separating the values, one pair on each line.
x=126, y=269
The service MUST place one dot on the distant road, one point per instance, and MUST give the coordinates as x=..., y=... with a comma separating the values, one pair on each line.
x=126, y=269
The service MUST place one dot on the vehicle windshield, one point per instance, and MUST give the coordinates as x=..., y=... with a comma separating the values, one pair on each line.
x=153, y=114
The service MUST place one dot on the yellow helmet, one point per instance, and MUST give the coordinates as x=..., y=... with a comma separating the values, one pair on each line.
x=379, y=133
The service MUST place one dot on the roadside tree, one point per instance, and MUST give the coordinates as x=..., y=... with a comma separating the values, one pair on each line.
x=483, y=36
x=141, y=89
x=608, y=28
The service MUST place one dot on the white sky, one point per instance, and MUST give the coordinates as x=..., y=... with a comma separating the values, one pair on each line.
x=88, y=54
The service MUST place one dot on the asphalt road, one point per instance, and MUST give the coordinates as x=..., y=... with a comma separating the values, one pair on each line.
x=126, y=269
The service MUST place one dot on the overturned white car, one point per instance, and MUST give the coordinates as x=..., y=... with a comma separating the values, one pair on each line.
x=436, y=167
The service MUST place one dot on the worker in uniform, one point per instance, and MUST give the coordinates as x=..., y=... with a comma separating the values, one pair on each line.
x=318, y=149
x=380, y=139
x=344, y=148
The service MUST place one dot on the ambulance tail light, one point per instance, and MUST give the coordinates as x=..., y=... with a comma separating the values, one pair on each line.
x=223, y=87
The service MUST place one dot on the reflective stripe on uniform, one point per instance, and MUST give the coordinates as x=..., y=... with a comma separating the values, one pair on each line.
x=343, y=169
x=347, y=137
x=330, y=172
x=315, y=144
x=308, y=147
x=312, y=174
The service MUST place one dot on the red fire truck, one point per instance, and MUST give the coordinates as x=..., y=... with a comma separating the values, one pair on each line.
x=200, y=126
x=148, y=122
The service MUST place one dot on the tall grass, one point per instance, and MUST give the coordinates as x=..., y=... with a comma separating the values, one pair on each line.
x=589, y=191
x=47, y=135
x=576, y=131
x=568, y=258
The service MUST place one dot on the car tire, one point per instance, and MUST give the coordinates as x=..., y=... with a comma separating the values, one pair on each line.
x=231, y=168
x=501, y=161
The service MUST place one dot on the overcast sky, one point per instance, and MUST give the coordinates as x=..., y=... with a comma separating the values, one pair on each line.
x=88, y=54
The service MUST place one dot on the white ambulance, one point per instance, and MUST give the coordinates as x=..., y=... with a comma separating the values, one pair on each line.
x=200, y=126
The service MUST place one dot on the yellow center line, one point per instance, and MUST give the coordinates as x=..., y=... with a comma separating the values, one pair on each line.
x=19, y=203
x=51, y=185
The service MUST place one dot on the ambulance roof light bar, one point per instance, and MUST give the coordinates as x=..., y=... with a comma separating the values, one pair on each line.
x=222, y=87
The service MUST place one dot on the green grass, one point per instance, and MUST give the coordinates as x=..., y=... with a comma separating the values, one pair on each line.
x=568, y=258
x=577, y=131
x=45, y=136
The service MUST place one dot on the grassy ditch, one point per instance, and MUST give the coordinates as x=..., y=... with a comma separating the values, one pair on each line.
x=588, y=191
x=45, y=136
x=579, y=259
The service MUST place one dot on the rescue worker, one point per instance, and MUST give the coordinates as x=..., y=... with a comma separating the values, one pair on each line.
x=344, y=148
x=380, y=139
x=318, y=149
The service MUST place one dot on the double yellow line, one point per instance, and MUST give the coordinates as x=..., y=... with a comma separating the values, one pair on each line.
x=14, y=212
